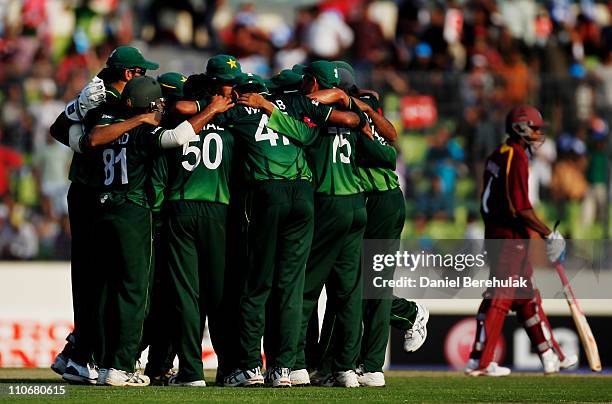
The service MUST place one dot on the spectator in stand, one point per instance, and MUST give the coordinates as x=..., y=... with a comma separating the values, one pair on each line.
x=9, y=160
x=518, y=79
x=519, y=16
x=603, y=76
x=568, y=181
x=370, y=47
x=422, y=60
x=24, y=244
x=248, y=42
x=7, y=233
x=44, y=113
x=444, y=158
x=47, y=229
x=16, y=121
x=588, y=34
x=51, y=165
x=594, y=202
x=62, y=242
x=75, y=61
x=540, y=170
x=433, y=34
x=329, y=35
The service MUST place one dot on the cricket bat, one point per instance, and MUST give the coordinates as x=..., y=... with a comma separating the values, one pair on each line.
x=586, y=335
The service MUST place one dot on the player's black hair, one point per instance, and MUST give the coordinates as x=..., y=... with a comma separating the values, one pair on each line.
x=249, y=88
x=112, y=74
x=197, y=87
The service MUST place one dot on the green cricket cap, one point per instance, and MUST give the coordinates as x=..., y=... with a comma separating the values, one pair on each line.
x=172, y=84
x=298, y=68
x=128, y=57
x=341, y=64
x=223, y=67
x=252, y=83
x=286, y=78
x=325, y=72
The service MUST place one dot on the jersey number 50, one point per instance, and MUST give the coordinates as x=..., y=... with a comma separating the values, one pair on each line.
x=203, y=155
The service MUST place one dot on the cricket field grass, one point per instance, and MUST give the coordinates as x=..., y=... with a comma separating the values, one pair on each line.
x=402, y=386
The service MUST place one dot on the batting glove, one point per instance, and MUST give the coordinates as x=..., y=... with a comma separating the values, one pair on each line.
x=91, y=96
x=555, y=247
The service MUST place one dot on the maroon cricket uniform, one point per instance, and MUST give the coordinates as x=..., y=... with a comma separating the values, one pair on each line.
x=505, y=194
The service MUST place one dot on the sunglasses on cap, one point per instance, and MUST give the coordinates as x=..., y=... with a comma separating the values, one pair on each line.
x=138, y=70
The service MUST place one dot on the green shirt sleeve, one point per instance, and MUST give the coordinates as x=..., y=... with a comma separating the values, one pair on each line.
x=299, y=131
x=159, y=179
x=373, y=153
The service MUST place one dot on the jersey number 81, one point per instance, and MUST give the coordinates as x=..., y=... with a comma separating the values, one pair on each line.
x=110, y=159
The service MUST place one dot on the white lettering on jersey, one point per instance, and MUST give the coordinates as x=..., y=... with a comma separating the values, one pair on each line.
x=493, y=168
x=212, y=126
x=251, y=110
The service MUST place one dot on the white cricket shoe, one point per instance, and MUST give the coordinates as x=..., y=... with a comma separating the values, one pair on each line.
x=568, y=361
x=76, y=373
x=347, y=378
x=299, y=377
x=59, y=364
x=415, y=337
x=244, y=378
x=174, y=382
x=116, y=377
x=550, y=362
x=372, y=379
x=493, y=370
x=278, y=377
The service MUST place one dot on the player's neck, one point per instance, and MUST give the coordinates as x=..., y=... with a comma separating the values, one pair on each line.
x=119, y=85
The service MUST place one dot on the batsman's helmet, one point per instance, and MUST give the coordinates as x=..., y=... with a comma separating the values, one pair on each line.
x=521, y=122
x=141, y=92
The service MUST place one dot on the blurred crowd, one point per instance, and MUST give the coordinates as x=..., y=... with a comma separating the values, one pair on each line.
x=474, y=58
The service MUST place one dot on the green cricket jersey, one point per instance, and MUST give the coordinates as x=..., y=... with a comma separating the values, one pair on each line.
x=377, y=178
x=80, y=167
x=331, y=155
x=121, y=168
x=271, y=155
x=198, y=171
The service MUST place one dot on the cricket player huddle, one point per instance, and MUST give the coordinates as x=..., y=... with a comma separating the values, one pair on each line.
x=229, y=198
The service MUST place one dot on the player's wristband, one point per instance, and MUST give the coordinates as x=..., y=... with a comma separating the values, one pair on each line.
x=72, y=110
x=75, y=137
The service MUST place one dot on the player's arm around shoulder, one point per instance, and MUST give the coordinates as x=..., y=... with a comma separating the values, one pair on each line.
x=349, y=117
x=108, y=132
x=189, y=128
x=371, y=107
